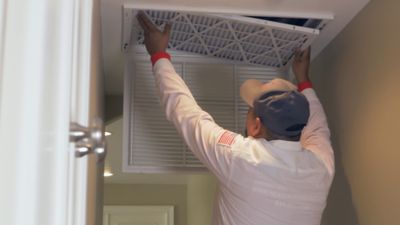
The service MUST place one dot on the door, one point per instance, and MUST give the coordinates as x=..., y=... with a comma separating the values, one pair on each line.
x=50, y=76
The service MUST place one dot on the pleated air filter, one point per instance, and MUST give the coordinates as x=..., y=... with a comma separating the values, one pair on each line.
x=238, y=38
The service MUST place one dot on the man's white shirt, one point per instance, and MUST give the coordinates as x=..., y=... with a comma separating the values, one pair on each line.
x=260, y=182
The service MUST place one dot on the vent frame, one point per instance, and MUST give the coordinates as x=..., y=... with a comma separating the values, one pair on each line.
x=247, y=40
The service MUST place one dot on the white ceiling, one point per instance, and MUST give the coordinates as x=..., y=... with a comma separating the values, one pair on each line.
x=341, y=10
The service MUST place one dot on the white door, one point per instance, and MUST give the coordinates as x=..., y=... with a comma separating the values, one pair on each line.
x=50, y=74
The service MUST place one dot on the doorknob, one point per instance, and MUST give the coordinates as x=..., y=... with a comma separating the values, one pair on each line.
x=88, y=139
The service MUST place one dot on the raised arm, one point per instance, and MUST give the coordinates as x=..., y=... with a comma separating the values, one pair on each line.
x=316, y=135
x=196, y=126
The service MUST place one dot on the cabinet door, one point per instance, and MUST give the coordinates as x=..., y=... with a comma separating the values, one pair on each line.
x=49, y=77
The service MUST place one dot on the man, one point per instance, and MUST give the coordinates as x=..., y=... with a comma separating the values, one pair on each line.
x=281, y=173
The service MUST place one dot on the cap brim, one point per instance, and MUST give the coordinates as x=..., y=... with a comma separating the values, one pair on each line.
x=252, y=89
x=249, y=90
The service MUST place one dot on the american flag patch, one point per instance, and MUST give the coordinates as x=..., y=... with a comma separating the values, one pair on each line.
x=227, y=138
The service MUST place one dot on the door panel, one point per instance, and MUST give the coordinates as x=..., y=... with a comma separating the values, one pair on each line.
x=89, y=78
x=34, y=112
x=49, y=74
x=96, y=110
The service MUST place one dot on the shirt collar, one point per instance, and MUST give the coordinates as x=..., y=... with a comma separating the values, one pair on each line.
x=287, y=145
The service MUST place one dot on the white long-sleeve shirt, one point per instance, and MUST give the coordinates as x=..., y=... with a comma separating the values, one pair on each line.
x=260, y=182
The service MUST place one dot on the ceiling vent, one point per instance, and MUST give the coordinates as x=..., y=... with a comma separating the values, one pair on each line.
x=266, y=41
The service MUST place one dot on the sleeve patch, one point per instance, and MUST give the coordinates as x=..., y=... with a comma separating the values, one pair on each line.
x=227, y=138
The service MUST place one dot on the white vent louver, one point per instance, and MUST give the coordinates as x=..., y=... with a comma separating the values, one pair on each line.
x=152, y=143
x=238, y=38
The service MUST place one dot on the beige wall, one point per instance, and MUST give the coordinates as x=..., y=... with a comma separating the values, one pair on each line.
x=358, y=80
x=193, y=201
x=200, y=199
x=149, y=194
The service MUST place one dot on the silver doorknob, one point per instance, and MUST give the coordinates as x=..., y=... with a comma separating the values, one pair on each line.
x=88, y=139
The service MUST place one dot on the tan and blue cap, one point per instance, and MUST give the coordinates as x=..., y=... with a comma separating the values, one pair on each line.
x=281, y=108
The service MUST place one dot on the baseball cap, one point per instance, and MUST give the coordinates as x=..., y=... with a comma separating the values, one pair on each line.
x=281, y=108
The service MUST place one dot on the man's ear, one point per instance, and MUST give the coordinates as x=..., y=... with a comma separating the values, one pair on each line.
x=258, y=127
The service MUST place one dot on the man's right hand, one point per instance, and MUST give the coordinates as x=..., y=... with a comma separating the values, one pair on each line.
x=301, y=64
x=154, y=40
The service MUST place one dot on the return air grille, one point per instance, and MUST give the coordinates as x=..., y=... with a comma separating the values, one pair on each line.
x=238, y=38
x=152, y=144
